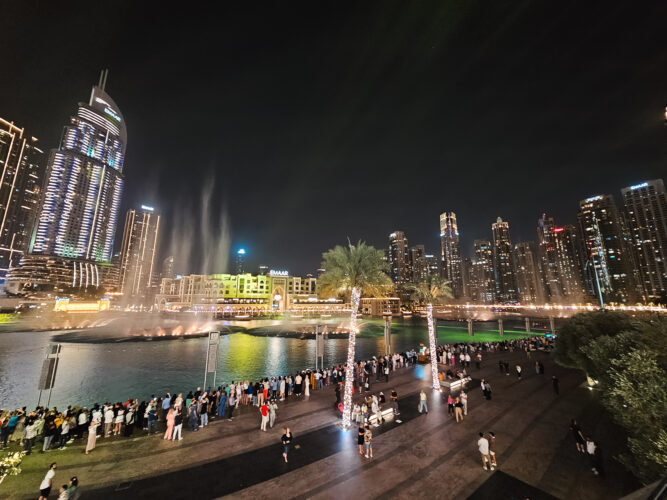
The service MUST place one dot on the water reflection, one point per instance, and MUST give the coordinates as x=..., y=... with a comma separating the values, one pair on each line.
x=90, y=373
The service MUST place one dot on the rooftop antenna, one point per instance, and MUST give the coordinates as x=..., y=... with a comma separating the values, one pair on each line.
x=104, y=74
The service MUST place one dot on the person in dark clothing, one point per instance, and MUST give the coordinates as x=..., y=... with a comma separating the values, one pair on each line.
x=337, y=394
x=554, y=381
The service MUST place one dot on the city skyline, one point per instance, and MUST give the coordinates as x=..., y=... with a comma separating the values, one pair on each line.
x=514, y=145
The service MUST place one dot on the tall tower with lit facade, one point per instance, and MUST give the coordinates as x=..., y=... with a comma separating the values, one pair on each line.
x=418, y=264
x=22, y=167
x=240, y=261
x=607, y=247
x=450, y=252
x=502, y=262
x=84, y=182
x=548, y=258
x=569, y=261
x=483, y=283
x=645, y=207
x=138, y=252
x=399, y=258
x=529, y=282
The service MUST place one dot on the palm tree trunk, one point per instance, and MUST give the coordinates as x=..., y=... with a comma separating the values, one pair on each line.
x=432, y=346
x=349, y=369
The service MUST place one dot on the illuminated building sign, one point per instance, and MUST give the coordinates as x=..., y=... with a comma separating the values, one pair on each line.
x=112, y=114
x=147, y=208
x=593, y=198
x=639, y=186
x=274, y=272
x=558, y=229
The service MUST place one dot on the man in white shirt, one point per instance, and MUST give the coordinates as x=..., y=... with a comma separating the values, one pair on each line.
x=108, y=421
x=483, y=446
x=45, y=486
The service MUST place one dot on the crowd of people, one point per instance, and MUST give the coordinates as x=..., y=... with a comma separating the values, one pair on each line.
x=60, y=428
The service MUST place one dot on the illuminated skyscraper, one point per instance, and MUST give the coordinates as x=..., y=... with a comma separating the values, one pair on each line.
x=570, y=263
x=502, y=262
x=84, y=183
x=528, y=279
x=548, y=258
x=22, y=167
x=399, y=259
x=646, y=213
x=240, y=261
x=167, y=270
x=483, y=283
x=432, y=264
x=418, y=264
x=137, y=254
x=450, y=252
x=608, y=248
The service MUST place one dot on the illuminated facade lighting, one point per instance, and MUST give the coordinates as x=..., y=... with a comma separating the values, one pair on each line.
x=450, y=255
x=138, y=252
x=645, y=207
x=84, y=183
x=503, y=262
x=349, y=367
x=22, y=173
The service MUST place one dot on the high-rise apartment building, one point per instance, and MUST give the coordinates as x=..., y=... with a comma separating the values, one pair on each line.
x=167, y=270
x=84, y=181
x=468, y=277
x=548, y=259
x=240, y=261
x=528, y=279
x=432, y=264
x=569, y=262
x=22, y=167
x=646, y=214
x=418, y=264
x=450, y=252
x=398, y=258
x=483, y=285
x=607, y=245
x=137, y=255
x=502, y=262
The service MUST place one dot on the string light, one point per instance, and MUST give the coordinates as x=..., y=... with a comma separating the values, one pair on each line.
x=432, y=346
x=349, y=369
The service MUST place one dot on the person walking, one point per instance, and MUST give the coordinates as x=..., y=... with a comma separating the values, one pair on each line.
x=458, y=409
x=518, y=371
x=368, y=447
x=491, y=438
x=478, y=360
x=554, y=382
x=264, y=411
x=423, y=406
x=178, y=425
x=92, y=436
x=450, y=405
x=464, y=400
x=579, y=439
x=286, y=439
x=394, y=402
x=47, y=482
x=272, y=412
x=483, y=447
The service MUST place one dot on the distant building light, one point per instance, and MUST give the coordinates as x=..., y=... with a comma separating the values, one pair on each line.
x=558, y=229
x=593, y=198
x=147, y=208
x=241, y=251
x=639, y=186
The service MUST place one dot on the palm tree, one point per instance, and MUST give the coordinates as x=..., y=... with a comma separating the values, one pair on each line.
x=350, y=272
x=431, y=291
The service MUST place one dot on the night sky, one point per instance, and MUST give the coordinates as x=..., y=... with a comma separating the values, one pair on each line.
x=300, y=125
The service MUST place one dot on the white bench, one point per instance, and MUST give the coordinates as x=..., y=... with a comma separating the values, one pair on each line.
x=456, y=384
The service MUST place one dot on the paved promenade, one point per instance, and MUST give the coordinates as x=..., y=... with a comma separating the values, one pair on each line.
x=424, y=456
